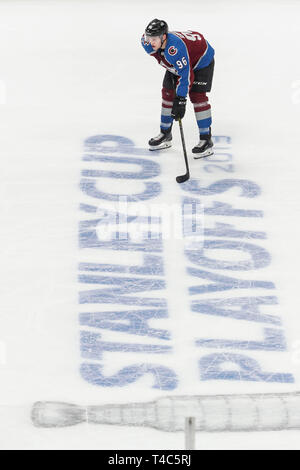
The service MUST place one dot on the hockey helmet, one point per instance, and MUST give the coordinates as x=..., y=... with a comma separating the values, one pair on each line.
x=156, y=28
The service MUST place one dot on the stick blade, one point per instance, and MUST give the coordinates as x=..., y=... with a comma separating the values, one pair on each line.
x=182, y=178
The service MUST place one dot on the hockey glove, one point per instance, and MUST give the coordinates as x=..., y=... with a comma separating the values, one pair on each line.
x=178, y=110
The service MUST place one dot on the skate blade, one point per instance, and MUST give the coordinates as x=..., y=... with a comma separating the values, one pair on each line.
x=165, y=145
x=208, y=153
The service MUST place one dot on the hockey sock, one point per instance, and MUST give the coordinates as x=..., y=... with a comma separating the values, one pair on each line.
x=202, y=110
x=166, y=109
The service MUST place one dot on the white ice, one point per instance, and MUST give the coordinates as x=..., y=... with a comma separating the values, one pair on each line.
x=75, y=69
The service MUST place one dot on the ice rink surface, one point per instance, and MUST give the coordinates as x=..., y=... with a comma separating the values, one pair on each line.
x=73, y=72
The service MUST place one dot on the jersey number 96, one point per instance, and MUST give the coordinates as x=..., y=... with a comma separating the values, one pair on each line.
x=181, y=63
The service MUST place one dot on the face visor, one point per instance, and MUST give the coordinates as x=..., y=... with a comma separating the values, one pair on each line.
x=148, y=37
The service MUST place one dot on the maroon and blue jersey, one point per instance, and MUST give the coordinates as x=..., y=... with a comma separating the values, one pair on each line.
x=184, y=52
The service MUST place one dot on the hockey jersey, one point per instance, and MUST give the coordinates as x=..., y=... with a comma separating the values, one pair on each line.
x=184, y=52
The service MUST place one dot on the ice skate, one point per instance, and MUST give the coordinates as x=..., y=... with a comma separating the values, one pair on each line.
x=162, y=141
x=204, y=148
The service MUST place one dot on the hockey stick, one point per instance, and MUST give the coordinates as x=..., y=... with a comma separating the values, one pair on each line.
x=185, y=177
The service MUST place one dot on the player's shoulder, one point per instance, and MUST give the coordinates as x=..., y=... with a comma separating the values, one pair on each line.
x=174, y=39
x=175, y=45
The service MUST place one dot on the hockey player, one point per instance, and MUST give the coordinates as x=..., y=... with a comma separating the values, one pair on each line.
x=189, y=60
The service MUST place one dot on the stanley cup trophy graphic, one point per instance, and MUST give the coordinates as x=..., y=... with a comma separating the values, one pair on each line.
x=255, y=412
